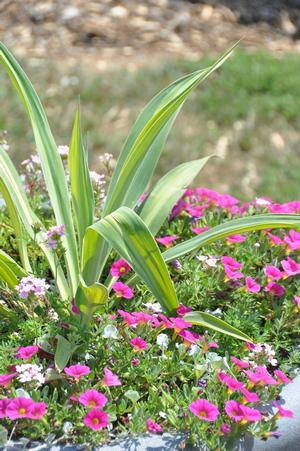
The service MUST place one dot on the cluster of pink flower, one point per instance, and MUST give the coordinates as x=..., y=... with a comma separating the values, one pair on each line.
x=32, y=285
x=118, y=269
x=53, y=235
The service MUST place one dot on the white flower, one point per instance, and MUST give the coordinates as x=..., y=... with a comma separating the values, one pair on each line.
x=212, y=262
x=154, y=307
x=202, y=258
x=162, y=415
x=194, y=349
x=28, y=373
x=110, y=332
x=162, y=340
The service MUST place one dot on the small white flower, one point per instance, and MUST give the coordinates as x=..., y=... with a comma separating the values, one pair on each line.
x=162, y=340
x=154, y=307
x=256, y=245
x=194, y=349
x=110, y=332
x=211, y=262
x=202, y=258
x=162, y=415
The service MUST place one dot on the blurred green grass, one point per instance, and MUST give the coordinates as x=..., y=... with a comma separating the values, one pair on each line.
x=248, y=113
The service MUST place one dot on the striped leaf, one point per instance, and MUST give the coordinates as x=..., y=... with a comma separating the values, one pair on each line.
x=10, y=271
x=90, y=299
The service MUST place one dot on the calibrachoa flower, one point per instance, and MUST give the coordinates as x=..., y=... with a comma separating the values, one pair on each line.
x=37, y=410
x=281, y=377
x=296, y=301
x=235, y=239
x=232, y=408
x=249, y=414
x=199, y=230
x=249, y=396
x=261, y=376
x=204, y=410
x=19, y=408
x=5, y=379
x=138, y=344
x=92, y=398
x=77, y=371
x=183, y=309
x=26, y=352
x=272, y=273
x=4, y=403
x=290, y=266
x=119, y=268
x=110, y=379
x=283, y=412
x=167, y=240
x=240, y=413
x=96, y=419
x=153, y=427
x=275, y=289
x=292, y=240
x=240, y=363
x=251, y=285
x=32, y=285
x=225, y=428
x=232, y=383
x=231, y=263
x=122, y=290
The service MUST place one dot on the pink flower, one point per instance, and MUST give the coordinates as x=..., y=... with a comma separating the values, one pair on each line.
x=260, y=376
x=281, y=377
x=275, y=289
x=92, y=398
x=119, y=268
x=272, y=273
x=19, y=408
x=37, y=410
x=233, y=410
x=4, y=403
x=283, y=412
x=249, y=396
x=199, y=230
x=138, y=344
x=26, y=352
x=188, y=337
x=204, y=410
x=167, y=240
x=110, y=379
x=232, y=275
x=252, y=286
x=96, y=419
x=225, y=428
x=250, y=415
x=235, y=239
x=129, y=319
x=240, y=363
x=231, y=263
x=183, y=309
x=77, y=371
x=74, y=307
x=178, y=324
x=122, y=290
x=296, y=301
x=232, y=383
x=292, y=240
x=135, y=362
x=275, y=240
x=153, y=427
x=5, y=379
x=290, y=266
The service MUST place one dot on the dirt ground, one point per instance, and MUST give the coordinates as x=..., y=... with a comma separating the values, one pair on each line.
x=131, y=33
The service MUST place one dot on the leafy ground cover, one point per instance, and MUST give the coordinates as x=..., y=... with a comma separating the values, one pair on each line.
x=140, y=371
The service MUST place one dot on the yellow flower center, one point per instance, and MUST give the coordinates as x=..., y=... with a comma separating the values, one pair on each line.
x=22, y=410
x=92, y=404
x=202, y=413
x=122, y=269
x=95, y=421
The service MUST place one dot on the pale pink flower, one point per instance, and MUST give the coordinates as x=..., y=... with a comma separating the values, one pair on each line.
x=296, y=301
x=240, y=363
x=153, y=427
x=5, y=379
x=110, y=379
x=26, y=352
x=282, y=378
x=92, y=398
x=252, y=286
x=283, y=412
x=77, y=371
x=290, y=266
x=272, y=273
x=122, y=291
x=96, y=419
x=138, y=344
x=275, y=289
x=204, y=410
x=19, y=408
x=4, y=403
x=167, y=240
x=119, y=268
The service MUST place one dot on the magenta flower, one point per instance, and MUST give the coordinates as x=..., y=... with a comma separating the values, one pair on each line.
x=243, y=364
x=250, y=415
x=122, y=290
x=167, y=240
x=96, y=419
x=19, y=408
x=281, y=377
x=110, y=379
x=92, y=398
x=249, y=396
x=4, y=403
x=77, y=371
x=199, y=230
x=119, y=268
x=296, y=301
x=252, y=286
x=290, y=266
x=153, y=427
x=183, y=309
x=178, y=324
x=135, y=362
x=233, y=410
x=128, y=318
x=260, y=376
x=275, y=289
x=5, y=379
x=74, y=307
x=138, y=344
x=292, y=240
x=275, y=240
x=26, y=352
x=232, y=383
x=204, y=410
x=272, y=273
x=188, y=337
x=230, y=263
x=232, y=275
x=283, y=412
x=37, y=410
x=235, y=239
x=225, y=428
